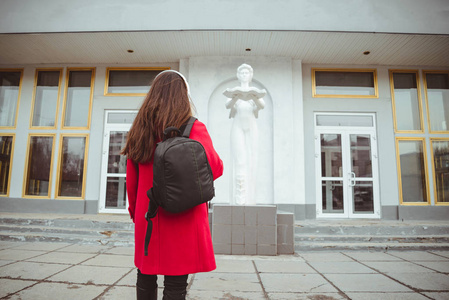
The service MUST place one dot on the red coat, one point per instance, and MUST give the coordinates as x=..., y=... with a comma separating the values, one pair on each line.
x=180, y=243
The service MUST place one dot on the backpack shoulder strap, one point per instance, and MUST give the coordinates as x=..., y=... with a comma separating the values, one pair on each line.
x=188, y=127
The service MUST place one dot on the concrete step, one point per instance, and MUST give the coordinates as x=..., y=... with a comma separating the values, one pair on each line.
x=317, y=235
x=313, y=246
x=372, y=239
x=97, y=229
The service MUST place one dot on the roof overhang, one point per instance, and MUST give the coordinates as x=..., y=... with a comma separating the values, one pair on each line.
x=171, y=46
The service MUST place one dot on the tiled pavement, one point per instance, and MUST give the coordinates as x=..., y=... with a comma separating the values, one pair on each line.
x=70, y=271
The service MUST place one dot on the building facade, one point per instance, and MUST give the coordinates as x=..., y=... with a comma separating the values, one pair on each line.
x=355, y=122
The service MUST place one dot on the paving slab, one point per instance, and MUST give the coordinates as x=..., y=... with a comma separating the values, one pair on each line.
x=438, y=296
x=341, y=267
x=441, y=253
x=234, y=266
x=440, y=266
x=30, y=270
x=53, y=290
x=5, y=262
x=306, y=296
x=397, y=267
x=121, y=251
x=296, y=283
x=15, y=255
x=91, y=275
x=284, y=267
x=62, y=258
x=8, y=244
x=111, y=261
x=372, y=256
x=324, y=256
x=226, y=282
x=78, y=248
x=224, y=295
x=424, y=281
x=9, y=286
x=120, y=293
x=386, y=296
x=419, y=256
x=41, y=246
x=366, y=283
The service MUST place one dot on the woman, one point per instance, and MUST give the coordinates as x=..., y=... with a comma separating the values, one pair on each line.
x=180, y=243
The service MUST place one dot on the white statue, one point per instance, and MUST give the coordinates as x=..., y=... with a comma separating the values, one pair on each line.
x=244, y=102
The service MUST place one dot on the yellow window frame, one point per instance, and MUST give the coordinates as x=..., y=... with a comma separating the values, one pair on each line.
x=27, y=167
x=34, y=97
x=426, y=173
x=106, y=85
x=393, y=103
x=18, y=97
x=59, y=168
x=433, y=170
x=13, y=135
x=66, y=89
x=315, y=95
x=425, y=72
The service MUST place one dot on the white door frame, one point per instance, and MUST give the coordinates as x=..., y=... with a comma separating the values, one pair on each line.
x=346, y=176
x=108, y=128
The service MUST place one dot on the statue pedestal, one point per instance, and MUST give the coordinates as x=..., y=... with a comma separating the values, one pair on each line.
x=252, y=230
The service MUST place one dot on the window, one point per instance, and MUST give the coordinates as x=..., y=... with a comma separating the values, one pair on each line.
x=72, y=166
x=10, y=83
x=130, y=82
x=78, y=98
x=46, y=98
x=412, y=171
x=6, y=151
x=406, y=101
x=440, y=158
x=39, y=165
x=344, y=83
x=437, y=98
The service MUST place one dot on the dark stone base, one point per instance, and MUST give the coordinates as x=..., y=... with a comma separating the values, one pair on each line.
x=22, y=205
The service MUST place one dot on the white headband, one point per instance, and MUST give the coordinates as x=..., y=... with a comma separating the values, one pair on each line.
x=182, y=76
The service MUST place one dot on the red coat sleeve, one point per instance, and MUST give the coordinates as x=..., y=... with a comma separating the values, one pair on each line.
x=132, y=179
x=200, y=134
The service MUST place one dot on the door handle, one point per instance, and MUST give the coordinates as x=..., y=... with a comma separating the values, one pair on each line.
x=352, y=179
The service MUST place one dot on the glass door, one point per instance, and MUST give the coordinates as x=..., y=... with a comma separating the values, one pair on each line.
x=346, y=162
x=113, y=198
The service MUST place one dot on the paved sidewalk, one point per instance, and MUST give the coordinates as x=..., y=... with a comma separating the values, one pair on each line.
x=71, y=271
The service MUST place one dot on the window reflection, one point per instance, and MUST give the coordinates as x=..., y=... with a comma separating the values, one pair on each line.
x=441, y=166
x=332, y=196
x=363, y=197
x=5, y=162
x=331, y=159
x=116, y=161
x=39, y=162
x=438, y=100
x=130, y=81
x=344, y=83
x=361, y=155
x=72, y=166
x=78, y=98
x=406, y=101
x=9, y=96
x=46, y=98
x=116, y=192
x=413, y=174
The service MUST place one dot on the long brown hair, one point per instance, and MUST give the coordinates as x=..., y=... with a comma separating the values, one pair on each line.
x=166, y=104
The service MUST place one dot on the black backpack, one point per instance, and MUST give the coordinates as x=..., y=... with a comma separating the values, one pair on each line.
x=182, y=176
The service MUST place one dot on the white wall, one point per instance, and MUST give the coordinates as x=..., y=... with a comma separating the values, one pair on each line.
x=412, y=16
